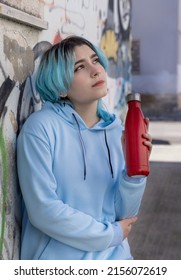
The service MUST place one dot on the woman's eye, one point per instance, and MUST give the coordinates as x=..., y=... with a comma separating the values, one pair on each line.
x=96, y=60
x=78, y=68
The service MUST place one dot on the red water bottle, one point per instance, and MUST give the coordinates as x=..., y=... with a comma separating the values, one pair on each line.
x=137, y=157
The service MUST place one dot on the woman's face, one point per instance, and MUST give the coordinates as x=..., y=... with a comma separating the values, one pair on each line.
x=90, y=79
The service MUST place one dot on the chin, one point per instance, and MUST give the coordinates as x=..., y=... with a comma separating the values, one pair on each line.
x=104, y=93
x=100, y=94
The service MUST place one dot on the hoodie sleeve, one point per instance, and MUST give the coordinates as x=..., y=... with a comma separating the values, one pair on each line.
x=129, y=196
x=46, y=211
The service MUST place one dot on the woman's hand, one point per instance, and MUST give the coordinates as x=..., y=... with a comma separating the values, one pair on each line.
x=126, y=225
x=147, y=137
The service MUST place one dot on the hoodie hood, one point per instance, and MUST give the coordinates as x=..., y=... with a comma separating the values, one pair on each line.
x=66, y=111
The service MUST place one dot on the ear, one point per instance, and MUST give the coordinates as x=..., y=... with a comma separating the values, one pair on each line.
x=63, y=95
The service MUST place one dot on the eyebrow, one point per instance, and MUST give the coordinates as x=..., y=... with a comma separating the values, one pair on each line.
x=83, y=60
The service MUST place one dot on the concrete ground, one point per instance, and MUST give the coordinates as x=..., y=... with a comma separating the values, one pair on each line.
x=157, y=233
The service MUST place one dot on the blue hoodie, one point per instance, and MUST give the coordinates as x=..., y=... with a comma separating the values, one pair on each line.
x=74, y=187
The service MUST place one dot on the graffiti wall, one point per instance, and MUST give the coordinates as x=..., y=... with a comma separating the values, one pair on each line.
x=107, y=24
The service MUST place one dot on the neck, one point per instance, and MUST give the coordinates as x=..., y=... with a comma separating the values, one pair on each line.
x=88, y=114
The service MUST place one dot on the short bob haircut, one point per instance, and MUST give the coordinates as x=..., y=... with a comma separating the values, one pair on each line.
x=56, y=70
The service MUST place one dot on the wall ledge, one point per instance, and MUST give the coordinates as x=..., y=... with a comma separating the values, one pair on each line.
x=16, y=15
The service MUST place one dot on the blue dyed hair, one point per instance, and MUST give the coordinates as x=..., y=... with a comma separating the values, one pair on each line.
x=56, y=70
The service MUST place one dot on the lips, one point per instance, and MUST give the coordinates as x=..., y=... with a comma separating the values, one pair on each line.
x=98, y=83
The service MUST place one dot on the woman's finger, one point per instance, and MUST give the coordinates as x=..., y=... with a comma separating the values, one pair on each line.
x=147, y=122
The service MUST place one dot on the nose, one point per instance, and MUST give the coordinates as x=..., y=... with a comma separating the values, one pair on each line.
x=95, y=70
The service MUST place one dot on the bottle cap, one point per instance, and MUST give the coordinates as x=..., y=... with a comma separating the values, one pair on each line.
x=133, y=96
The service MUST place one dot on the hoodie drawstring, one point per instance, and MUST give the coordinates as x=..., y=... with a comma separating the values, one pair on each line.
x=82, y=146
x=109, y=154
x=84, y=150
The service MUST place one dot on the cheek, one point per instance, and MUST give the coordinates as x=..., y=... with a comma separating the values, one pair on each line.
x=79, y=83
x=76, y=89
x=102, y=69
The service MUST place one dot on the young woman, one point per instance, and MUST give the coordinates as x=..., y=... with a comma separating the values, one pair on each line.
x=79, y=202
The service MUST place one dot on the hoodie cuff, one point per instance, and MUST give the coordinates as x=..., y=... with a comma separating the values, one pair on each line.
x=118, y=234
x=134, y=180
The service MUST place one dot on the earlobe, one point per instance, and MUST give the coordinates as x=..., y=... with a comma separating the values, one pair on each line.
x=63, y=95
